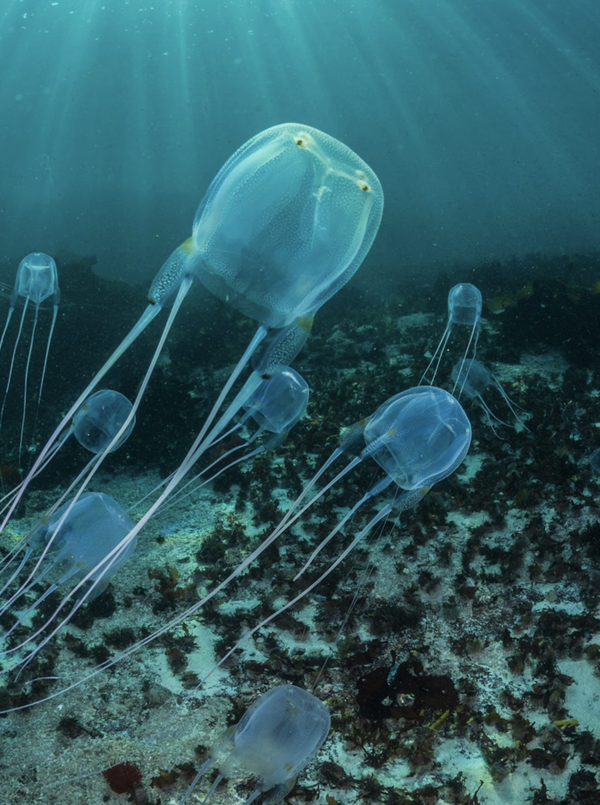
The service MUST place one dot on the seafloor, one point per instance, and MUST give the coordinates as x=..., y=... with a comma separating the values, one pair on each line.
x=457, y=648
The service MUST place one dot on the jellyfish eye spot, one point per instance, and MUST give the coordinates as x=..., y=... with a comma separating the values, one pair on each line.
x=364, y=187
x=301, y=143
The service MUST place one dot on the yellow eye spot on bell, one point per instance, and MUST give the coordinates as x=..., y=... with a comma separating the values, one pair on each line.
x=305, y=322
x=188, y=246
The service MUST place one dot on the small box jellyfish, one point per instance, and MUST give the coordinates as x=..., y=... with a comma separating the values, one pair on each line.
x=81, y=539
x=37, y=280
x=275, y=740
x=464, y=307
x=278, y=403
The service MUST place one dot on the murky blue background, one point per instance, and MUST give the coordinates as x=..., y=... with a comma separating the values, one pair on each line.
x=481, y=118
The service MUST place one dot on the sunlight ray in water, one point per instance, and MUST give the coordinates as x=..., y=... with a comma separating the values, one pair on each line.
x=451, y=637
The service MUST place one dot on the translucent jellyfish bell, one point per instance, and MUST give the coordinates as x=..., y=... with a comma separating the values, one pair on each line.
x=94, y=426
x=286, y=223
x=275, y=740
x=464, y=304
x=100, y=418
x=279, y=402
x=595, y=460
x=37, y=278
x=425, y=433
x=472, y=377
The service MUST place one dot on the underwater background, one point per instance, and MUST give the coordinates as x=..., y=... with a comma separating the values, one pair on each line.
x=479, y=117
x=458, y=647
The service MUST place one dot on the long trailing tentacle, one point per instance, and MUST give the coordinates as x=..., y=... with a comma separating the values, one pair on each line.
x=96, y=462
x=439, y=351
x=205, y=766
x=181, y=495
x=12, y=362
x=33, y=329
x=54, y=315
x=373, y=522
x=149, y=314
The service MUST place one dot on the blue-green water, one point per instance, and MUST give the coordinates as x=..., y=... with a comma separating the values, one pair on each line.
x=457, y=647
x=480, y=118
